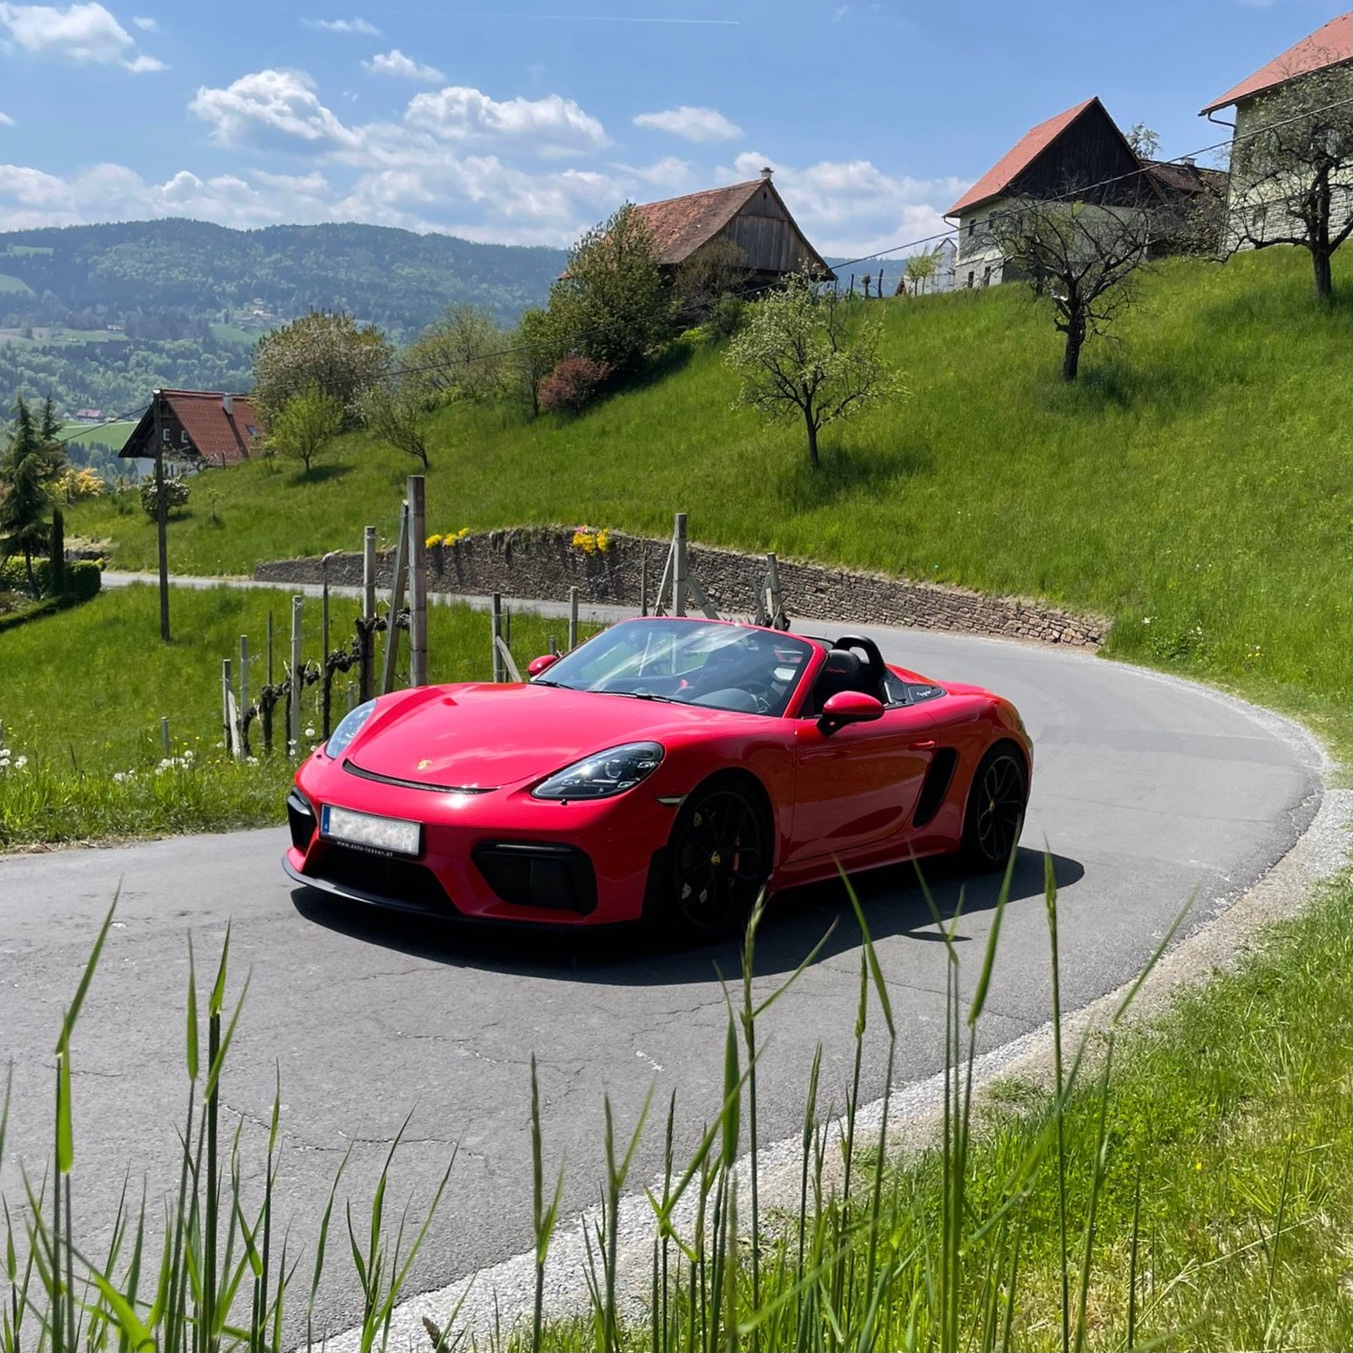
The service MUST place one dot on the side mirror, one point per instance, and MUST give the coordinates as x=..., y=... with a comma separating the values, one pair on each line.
x=849, y=707
x=542, y=664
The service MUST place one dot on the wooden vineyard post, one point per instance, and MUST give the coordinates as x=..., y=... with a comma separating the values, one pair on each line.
x=268, y=703
x=164, y=734
x=326, y=674
x=161, y=522
x=679, y=565
x=643, y=581
x=297, y=682
x=495, y=626
x=365, y=671
x=572, y=618
x=244, y=688
x=418, y=584
x=396, y=601
x=229, y=713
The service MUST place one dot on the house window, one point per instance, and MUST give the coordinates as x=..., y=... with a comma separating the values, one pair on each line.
x=970, y=277
x=972, y=226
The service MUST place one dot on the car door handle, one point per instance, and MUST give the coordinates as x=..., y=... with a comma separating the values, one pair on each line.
x=923, y=745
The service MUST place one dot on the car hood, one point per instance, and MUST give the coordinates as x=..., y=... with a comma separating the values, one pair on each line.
x=490, y=736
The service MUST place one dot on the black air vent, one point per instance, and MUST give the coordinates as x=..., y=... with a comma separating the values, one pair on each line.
x=936, y=785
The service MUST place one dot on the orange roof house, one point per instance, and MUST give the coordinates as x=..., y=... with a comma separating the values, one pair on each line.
x=197, y=427
x=1330, y=45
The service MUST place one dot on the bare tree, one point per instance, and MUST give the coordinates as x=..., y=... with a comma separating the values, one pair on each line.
x=717, y=270
x=1292, y=170
x=807, y=353
x=920, y=268
x=1081, y=256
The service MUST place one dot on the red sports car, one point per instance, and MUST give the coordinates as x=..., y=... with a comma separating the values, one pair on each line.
x=666, y=769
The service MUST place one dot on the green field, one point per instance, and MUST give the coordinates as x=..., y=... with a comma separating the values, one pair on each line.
x=232, y=333
x=108, y=434
x=9, y=283
x=1194, y=485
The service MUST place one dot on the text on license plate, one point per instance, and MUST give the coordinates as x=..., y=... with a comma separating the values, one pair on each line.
x=391, y=834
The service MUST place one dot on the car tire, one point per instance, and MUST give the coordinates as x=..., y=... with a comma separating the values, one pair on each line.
x=995, y=812
x=717, y=861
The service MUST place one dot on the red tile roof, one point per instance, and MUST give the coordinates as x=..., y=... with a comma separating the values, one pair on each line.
x=680, y=225
x=1024, y=152
x=1327, y=46
x=218, y=437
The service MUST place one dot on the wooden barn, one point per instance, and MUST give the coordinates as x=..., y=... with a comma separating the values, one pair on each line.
x=196, y=428
x=752, y=215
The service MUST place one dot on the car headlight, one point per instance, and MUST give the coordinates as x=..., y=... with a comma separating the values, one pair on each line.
x=348, y=729
x=604, y=774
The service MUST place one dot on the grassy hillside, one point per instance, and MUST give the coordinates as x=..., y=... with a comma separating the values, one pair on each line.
x=1194, y=484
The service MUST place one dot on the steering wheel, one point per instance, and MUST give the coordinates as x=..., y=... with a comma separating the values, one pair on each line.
x=873, y=659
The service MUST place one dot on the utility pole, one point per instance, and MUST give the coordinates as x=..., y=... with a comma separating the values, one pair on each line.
x=161, y=520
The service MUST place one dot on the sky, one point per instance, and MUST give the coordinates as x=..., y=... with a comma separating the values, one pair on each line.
x=527, y=121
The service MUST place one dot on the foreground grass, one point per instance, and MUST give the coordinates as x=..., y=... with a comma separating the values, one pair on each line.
x=1194, y=485
x=1192, y=1193
x=82, y=694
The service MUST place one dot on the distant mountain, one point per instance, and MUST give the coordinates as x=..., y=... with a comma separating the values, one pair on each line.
x=393, y=278
x=98, y=316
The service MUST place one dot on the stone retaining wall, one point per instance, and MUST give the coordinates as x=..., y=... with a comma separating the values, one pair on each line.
x=543, y=563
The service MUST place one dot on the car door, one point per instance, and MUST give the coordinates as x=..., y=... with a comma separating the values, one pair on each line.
x=857, y=787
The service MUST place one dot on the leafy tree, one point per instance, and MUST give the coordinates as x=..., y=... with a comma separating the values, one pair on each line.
x=29, y=469
x=1291, y=164
x=717, y=270
x=1144, y=142
x=461, y=356
x=534, y=352
x=572, y=385
x=395, y=412
x=327, y=351
x=806, y=353
x=611, y=304
x=1082, y=256
x=920, y=268
x=306, y=424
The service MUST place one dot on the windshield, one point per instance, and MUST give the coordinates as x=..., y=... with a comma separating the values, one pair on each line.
x=732, y=667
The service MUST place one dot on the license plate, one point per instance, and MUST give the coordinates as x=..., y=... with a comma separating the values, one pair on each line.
x=389, y=835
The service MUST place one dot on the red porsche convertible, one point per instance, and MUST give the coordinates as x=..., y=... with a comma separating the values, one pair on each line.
x=667, y=769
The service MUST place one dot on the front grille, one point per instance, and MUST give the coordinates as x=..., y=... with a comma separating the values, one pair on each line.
x=536, y=874
x=402, y=883
x=301, y=820
x=362, y=773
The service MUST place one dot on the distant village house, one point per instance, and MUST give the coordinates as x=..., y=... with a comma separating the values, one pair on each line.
x=196, y=428
x=751, y=215
x=1325, y=50
x=1080, y=151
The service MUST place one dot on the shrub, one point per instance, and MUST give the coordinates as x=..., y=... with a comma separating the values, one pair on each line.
x=572, y=385
x=175, y=495
x=84, y=578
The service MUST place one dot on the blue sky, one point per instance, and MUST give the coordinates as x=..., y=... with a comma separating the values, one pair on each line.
x=527, y=121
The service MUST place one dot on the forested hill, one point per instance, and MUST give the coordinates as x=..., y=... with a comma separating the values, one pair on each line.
x=85, y=277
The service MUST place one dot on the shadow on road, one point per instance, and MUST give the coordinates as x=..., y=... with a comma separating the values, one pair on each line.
x=891, y=899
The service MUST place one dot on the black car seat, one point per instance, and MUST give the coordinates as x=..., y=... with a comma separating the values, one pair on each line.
x=842, y=671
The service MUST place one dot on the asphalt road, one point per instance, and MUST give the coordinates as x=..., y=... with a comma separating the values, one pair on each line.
x=1148, y=791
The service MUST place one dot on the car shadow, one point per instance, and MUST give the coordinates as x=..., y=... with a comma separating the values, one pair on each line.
x=892, y=901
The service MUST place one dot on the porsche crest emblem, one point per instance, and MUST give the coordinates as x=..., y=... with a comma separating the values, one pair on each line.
x=423, y=764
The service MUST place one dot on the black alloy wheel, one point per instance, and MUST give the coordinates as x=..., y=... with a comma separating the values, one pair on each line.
x=996, y=803
x=720, y=858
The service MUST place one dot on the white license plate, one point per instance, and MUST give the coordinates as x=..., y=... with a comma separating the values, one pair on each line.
x=390, y=835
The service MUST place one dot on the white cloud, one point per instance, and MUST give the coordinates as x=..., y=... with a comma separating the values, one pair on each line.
x=80, y=32
x=694, y=124
x=851, y=207
x=395, y=63
x=266, y=105
x=6, y=120
x=146, y=25
x=549, y=126
x=361, y=26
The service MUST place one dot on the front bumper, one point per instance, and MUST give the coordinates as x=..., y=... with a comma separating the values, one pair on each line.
x=499, y=855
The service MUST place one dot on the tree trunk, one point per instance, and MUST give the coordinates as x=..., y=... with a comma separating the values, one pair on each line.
x=811, y=425
x=1324, y=284
x=1075, y=338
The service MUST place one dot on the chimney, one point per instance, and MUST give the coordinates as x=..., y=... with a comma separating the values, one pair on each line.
x=228, y=404
x=1188, y=161
x=766, y=174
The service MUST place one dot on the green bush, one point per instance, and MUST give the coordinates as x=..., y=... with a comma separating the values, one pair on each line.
x=84, y=578
x=175, y=495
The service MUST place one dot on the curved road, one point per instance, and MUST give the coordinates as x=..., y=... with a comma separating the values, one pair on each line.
x=1148, y=791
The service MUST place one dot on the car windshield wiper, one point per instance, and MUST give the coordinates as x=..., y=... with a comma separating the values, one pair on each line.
x=644, y=695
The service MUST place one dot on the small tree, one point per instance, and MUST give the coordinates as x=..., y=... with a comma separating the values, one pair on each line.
x=805, y=353
x=324, y=350
x=395, y=413
x=29, y=469
x=1082, y=256
x=461, y=356
x=534, y=353
x=611, y=304
x=716, y=270
x=919, y=269
x=1292, y=171
x=305, y=425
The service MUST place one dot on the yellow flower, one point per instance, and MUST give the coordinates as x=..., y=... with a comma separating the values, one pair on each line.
x=433, y=541
x=603, y=539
